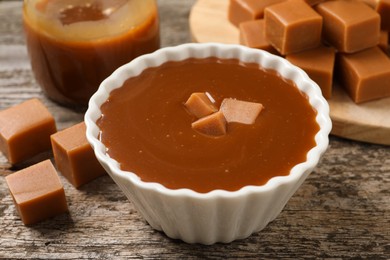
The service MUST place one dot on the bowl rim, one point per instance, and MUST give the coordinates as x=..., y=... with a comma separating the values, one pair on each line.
x=137, y=65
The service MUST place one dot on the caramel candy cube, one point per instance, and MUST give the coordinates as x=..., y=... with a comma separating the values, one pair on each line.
x=252, y=34
x=366, y=74
x=25, y=130
x=74, y=156
x=383, y=8
x=245, y=10
x=200, y=105
x=349, y=26
x=318, y=63
x=238, y=111
x=292, y=26
x=37, y=192
x=212, y=125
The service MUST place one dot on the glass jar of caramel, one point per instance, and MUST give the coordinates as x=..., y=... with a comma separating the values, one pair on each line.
x=75, y=44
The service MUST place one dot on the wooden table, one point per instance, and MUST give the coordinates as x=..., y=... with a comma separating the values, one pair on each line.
x=341, y=211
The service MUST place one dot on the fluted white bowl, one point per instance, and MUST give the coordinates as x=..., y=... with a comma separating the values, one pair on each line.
x=219, y=215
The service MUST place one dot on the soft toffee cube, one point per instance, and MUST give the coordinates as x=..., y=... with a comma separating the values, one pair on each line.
x=349, y=26
x=200, y=105
x=245, y=10
x=212, y=125
x=366, y=74
x=383, y=8
x=25, y=130
x=37, y=192
x=318, y=63
x=252, y=34
x=292, y=26
x=238, y=111
x=74, y=156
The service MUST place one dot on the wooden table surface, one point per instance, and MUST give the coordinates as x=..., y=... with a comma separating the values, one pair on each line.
x=341, y=211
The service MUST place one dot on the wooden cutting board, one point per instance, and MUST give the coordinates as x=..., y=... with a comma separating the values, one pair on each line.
x=367, y=122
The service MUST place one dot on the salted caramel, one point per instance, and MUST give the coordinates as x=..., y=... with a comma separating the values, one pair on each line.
x=74, y=156
x=200, y=105
x=318, y=63
x=292, y=26
x=37, y=192
x=74, y=45
x=366, y=74
x=146, y=129
x=212, y=125
x=25, y=130
x=240, y=111
x=349, y=26
x=252, y=34
x=247, y=10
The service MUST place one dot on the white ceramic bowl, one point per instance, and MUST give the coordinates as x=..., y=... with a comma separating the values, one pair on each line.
x=217, y=216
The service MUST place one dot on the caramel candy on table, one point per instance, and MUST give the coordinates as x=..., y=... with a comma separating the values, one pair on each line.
x=246, y=10
x=74, y=156
x=200, y=105
x=366, y=74
x=383, y=8
x=212, y=125
x=318, y=63
x=292, y=26
x=37, y=192
x=239, y=111
x=252, y=34
x=25, y=130
x=349, y=26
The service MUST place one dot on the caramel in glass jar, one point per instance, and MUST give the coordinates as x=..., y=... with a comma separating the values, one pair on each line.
x=74, y=45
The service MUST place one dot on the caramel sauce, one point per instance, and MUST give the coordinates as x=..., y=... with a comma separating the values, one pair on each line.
x=87, y=12
x=73, y=47
x=147, y=130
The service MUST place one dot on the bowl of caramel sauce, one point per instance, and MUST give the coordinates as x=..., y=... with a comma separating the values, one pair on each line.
x=208, y=141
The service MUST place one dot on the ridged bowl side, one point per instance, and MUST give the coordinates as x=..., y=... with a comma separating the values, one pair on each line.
x=219, y=215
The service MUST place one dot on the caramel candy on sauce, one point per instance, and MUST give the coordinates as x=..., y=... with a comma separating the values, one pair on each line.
x=366, y=74
x=246, y=10
x=292, y=26
x=25, y=130
x=252, y=34
x=239, y=111
x=318, y=63
x=383, y=8
x=211, y=125
x=200, y=105
x=349, y=26
x=37, y=192
x=74, y=156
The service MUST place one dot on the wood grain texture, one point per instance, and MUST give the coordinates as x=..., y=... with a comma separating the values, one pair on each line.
x=369, y=122
x=342, y=210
